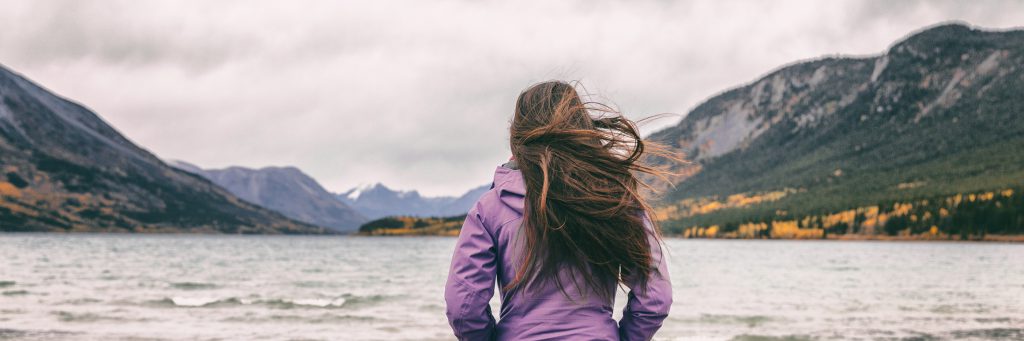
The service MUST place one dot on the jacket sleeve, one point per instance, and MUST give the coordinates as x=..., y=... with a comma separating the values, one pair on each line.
x=645, y=310
x=470, y=284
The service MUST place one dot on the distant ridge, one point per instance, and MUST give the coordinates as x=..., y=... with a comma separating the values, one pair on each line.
x=376, y=201
x=286, y=190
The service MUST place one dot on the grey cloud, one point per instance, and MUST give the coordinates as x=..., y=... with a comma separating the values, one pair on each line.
x=109, y=33
x=416, y=94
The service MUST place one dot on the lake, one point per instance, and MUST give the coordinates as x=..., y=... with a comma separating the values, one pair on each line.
x=185, y=287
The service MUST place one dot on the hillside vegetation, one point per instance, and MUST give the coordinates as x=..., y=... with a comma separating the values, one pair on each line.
x=413, y=226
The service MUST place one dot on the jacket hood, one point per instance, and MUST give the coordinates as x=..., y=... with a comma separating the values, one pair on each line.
x=509, y=185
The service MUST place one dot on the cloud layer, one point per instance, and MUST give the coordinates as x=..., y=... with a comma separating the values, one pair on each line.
x=416, y=94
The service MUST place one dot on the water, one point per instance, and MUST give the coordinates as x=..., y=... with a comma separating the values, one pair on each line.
x=142, y=287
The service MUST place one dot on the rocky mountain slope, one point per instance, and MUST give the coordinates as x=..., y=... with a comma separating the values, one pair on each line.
x=65, y=169
x=286, y=190
x=838, y=144
x=376, y=201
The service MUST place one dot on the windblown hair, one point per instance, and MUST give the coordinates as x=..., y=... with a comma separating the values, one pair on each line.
x=580, y=162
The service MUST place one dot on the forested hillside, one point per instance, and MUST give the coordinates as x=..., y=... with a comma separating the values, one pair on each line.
x=924, y=140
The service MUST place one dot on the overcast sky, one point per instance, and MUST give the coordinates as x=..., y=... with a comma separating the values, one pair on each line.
x=416, y=94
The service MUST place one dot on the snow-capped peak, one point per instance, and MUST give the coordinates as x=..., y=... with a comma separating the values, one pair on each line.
x=354, y=193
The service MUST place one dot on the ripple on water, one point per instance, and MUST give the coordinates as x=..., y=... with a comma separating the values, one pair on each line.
x=193, y=285
x=16, y=334
x=66, y=316
x=960, y=309
x=748, y=320
x=5, y=284
x=80, y=301
x=746, y=337
x=994, y=333
x=994, y=320
x=315, y=284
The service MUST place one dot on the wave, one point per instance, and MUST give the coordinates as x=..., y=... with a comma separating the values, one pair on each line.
x=359, y=301
x=196, y=302
x=346, y=300
x=4, y=284
x=308, y=302
x=323, y=318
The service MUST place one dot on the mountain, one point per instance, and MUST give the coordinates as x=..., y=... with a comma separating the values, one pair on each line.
x=376, y=201
x=286, y=190
x=65, y=169
x=461, y=204
x=891, y=144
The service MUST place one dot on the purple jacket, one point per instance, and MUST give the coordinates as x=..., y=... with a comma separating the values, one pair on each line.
x=486, y=251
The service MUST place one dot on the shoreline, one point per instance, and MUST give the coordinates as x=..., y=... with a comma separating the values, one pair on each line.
x=1007, y=239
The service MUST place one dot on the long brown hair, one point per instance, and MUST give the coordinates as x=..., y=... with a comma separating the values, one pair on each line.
x=580, y=162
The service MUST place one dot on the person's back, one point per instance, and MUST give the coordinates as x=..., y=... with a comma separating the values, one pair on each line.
x=556, y=249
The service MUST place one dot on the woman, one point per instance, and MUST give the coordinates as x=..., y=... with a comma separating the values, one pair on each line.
x=561, y=227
